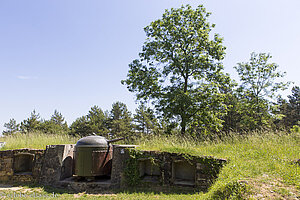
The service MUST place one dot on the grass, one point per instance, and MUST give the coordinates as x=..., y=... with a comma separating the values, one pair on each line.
x=260, y=164
x=35, y=140
x=257, y=158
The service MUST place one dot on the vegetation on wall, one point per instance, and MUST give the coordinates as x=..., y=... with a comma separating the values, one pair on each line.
x=131, y=171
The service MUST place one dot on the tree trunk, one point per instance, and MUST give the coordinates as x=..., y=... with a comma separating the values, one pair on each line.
x=258, y=114
x=182, y=124
x=185, y=84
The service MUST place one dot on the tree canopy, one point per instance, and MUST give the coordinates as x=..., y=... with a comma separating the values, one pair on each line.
x=179, y=69
x=259, y=86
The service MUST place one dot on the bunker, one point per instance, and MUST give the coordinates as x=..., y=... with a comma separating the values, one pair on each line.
x=94, y=165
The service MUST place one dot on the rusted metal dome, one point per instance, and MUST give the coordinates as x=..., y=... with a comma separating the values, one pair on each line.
x=92, y=141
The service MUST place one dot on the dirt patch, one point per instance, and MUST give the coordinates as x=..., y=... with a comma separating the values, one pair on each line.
x=9, y=188
x=271, y=189
x=79, y=195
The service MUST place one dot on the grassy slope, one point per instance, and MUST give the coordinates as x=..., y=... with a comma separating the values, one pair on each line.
x=35, y=140
x=262, y=162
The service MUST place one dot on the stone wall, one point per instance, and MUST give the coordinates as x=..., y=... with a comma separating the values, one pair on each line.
x=120, y=156
x=12, y=165
x=54, y=166
x=136, y=168
x=34, y=165
x=58, y=164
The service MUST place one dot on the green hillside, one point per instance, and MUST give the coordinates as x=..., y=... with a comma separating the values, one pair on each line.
x=261, y=164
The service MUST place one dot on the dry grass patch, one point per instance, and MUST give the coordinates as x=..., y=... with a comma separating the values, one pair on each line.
x=262, y=188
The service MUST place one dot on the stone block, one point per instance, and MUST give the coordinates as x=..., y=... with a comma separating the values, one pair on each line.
x=8, y=160
x=4, y=178
x=3, y=173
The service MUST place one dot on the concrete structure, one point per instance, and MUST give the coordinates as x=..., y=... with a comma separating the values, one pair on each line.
x=54, y=166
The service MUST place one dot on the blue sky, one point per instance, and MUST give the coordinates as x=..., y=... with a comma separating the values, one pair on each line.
x=70, y=55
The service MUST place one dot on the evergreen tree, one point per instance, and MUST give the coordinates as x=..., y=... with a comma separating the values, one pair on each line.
x=80, y=127
x=32, y=123
x=120, y=121
x=294, y=106
x=145, y=120
x=95, y=122
x=289, y=111
x=56, y=125
x=11, y=127
x=57, y=118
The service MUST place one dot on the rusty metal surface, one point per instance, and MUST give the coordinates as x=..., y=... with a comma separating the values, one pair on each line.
x=101, y=162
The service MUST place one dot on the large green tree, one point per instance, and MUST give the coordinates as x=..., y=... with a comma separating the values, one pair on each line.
x=259, y=87
x=179, y=69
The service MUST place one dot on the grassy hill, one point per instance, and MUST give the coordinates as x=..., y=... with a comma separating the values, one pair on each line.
x=261, y=164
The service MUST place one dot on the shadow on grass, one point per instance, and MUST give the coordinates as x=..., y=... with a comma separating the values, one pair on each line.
x=160, y=190
x=141, y=189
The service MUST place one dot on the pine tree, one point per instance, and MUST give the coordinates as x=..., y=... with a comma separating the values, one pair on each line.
x=32, y=123
x=145, y=120
x=95, y=122
x=120, y=121
x=11, y=127
x=289, y=110
x=56, y=125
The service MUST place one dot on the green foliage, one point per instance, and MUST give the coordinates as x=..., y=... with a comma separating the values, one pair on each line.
x=131, y=171
x=179, y=69
x=231, y=121
x=95, y=122
x=258, y=88
x=120, y=121
x=295, y=129
x=258, y=76
x=32, y=123
x=57, y=118
x=289, y=110
x=116, y=123
x=145, y=120
x=11, y=127
x=56, y=125
x=80, y=127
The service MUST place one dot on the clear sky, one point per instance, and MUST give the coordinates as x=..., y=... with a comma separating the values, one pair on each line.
x=70, y=55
